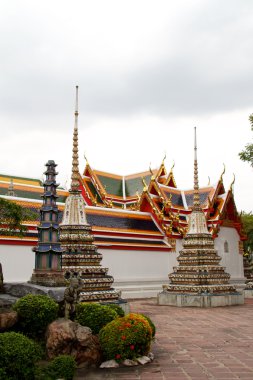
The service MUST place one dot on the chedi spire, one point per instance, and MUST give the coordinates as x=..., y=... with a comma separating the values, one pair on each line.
x=75, y=158
x=198, y=279
x=80, y=258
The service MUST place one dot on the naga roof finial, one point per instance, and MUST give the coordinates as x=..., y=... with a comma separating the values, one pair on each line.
x=164, y=158
x=75, y=163
x=196, y=198
x=86, y=159
x=172, y=167
x=232, y=183
x=151, y=172
x=145, y=186
x=222, y=174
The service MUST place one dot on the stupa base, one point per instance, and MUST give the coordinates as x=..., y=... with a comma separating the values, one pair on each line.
x=200, y=300
x=248, y=293
x=120, y=302
x=99, y=295
x=46, y=278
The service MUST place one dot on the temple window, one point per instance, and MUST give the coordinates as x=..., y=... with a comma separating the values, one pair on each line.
x=226, y=247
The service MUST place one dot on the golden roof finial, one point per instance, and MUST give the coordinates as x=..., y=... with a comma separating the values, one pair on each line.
x=138, y=195
x=86, y=159
x=172, y=167
x=232, y=183
x=222, y=174
x=75, y=162
x=145, y=186
x=164, y=158
x=152, y=173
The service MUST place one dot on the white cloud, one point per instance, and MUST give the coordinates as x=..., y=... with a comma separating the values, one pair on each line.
x=148, y=71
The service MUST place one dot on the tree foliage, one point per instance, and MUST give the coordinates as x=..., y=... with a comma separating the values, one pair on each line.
x=247, y=153
x=247, y=221
x=12, y=216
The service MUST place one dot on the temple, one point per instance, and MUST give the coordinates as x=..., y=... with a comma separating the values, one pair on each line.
x=138, y=222
x=48, y=252
x=80, y=258
x=198, y=279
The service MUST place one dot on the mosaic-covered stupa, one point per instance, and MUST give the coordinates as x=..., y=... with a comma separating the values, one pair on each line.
x=48, y=252
x=199, y=271
x=80, y=258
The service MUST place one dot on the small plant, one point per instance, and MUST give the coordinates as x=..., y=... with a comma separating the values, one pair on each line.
x=117, y=308
x=35, y=313
x=126, y=338
x=18, y=356
x=94, y=315
x=151, y=324
x=61, y=367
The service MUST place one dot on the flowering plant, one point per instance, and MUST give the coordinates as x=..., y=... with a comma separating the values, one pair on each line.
x=126, y=338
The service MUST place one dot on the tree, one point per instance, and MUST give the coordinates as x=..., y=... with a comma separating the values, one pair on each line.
x=12, y=216
x=247, y=221
x=247, y=154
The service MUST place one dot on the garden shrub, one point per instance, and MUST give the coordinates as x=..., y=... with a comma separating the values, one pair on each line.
x=94, y=315
x=117, y=308
x=18, y=356
x=35, y=312
x=151, y=323
x=126, y=338
x=61, y=367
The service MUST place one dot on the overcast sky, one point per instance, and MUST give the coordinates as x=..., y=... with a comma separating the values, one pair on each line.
x=148, y=72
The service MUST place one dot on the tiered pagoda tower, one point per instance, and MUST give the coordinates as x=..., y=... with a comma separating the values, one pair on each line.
x=199, y=280
x=48, y=253
x=81, y=258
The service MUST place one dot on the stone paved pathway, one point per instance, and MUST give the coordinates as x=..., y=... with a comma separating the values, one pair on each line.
x=192, y=344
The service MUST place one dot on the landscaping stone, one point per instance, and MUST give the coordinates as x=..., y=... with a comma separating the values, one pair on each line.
x=6, y=302
x=20, y=289
x=64, y=337
x=143, y=360
x=129, y=363
x=109, y=364
x=7, y=320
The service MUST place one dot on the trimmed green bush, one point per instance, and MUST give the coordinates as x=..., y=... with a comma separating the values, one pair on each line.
x=151, y=324
x=126, y=338
x=94, y=315
x=35, y=313
x=18, y=356
x=61, y=367
x=117, y=308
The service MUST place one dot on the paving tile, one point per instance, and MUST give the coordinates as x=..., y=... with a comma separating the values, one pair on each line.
x=192, y=344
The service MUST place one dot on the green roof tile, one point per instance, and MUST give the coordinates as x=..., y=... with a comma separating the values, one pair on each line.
x=93, y=191
x=37, y=182
x=134, y=184
x=113, y=185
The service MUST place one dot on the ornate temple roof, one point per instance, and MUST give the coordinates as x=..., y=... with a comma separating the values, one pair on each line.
x=157, y=209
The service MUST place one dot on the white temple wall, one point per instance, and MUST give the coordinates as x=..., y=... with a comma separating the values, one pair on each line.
x=17, y=262
x=138, y=274
x=232, y=260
